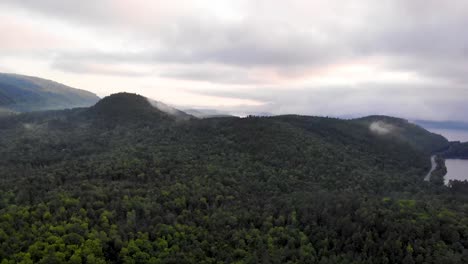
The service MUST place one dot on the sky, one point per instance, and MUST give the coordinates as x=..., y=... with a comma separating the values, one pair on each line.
x=329, y=58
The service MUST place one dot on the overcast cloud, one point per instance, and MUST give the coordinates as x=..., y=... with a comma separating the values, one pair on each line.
x=345, y=58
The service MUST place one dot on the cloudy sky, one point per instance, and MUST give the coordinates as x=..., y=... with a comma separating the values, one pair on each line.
x=330, y=57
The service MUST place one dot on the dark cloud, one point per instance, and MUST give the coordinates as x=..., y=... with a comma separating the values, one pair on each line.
x=425, y=31
x=82, y=67
x=246, y=44
x=228, y=76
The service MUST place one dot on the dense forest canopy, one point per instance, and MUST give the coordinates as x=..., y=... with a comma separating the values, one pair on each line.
x=124, y=182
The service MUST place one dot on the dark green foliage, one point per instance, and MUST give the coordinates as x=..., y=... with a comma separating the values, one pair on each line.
x=123, y=105
x=83, y=186
x=456, y=150
x=437, y=176
x=459, y=186
x=410, y=133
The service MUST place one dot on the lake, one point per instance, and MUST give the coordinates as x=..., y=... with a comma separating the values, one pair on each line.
x=456, y=170
x=452, y=134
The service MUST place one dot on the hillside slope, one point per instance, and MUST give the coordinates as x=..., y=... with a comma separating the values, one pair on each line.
x=402, y=130
x=123, y=182
x=21, y=93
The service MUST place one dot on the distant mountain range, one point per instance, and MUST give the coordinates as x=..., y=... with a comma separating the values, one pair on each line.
x=206, y=113
x=20, y=93
x=453, y=125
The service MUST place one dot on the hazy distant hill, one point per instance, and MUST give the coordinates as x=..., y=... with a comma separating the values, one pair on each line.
x=180, y=115
x=20, y=93
x=210, y=113
x=452, y=125
x=206, y=113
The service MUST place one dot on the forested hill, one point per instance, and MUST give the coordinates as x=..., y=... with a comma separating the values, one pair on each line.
x=124, y=182
x=401, y=129
x=20, y=93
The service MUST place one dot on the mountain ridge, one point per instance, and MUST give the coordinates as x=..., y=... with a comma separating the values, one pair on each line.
x=22, y=93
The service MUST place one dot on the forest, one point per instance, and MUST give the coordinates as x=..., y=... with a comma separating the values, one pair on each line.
x=456, y=150
x=113, y=184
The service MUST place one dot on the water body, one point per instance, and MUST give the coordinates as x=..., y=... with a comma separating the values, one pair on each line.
x=457, y=169
x=452, y=134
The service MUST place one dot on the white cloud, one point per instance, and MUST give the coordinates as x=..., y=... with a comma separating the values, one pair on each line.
x=309, y=57
x=381, y=128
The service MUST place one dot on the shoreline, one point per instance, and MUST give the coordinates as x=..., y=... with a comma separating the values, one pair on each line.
x=438, y=170
x=433, y=167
